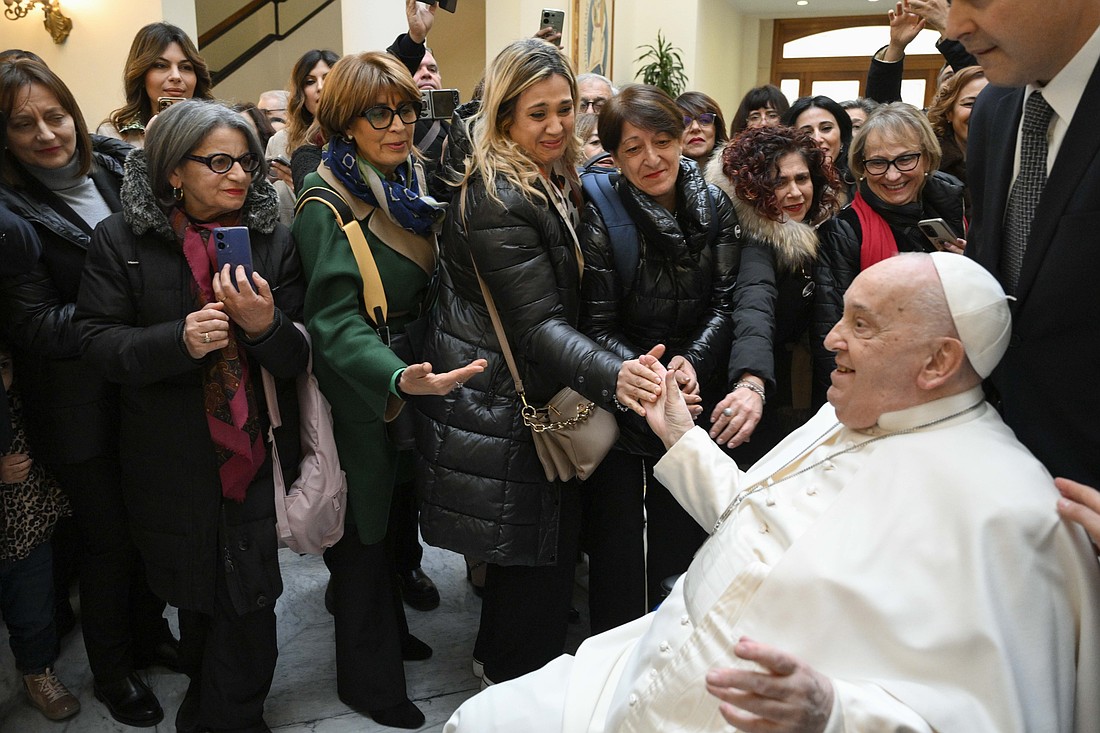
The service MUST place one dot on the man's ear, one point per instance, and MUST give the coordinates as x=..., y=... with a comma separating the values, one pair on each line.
x=945, y=361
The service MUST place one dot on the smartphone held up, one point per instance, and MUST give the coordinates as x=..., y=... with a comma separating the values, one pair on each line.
x=233, y=247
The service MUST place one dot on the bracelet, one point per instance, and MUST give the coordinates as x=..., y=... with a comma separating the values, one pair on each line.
x=619, y=405
x=754, y=388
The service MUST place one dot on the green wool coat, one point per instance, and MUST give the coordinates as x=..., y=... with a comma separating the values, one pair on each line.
x=354, y=367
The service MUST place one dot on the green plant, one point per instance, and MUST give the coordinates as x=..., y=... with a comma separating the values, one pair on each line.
x=665, y=69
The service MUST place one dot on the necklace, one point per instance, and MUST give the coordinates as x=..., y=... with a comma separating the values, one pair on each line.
x=786, y=471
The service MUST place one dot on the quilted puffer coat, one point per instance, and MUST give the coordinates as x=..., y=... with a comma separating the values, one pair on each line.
x=484, y=492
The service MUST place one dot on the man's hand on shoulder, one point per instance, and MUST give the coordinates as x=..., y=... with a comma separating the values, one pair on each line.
x=788, y=697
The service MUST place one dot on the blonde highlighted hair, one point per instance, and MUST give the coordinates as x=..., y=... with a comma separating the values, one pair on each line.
x=517, y=68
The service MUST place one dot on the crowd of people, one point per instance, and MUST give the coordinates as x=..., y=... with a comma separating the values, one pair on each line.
x=864, y=533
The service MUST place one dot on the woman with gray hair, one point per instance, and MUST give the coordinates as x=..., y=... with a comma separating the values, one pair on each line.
x=895, y=157
x=186, y=341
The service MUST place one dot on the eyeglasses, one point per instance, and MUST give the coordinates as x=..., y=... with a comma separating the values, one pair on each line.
x=595, y=104
x=879, y=166
x=705, y=120
x=223, y=162
x=755, y=118
x=380, y=116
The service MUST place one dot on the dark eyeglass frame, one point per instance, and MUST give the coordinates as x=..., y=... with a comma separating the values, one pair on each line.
x=896, y=162
x=208, y=161
x=596, y=104
x=414, y=107
x=705, y=119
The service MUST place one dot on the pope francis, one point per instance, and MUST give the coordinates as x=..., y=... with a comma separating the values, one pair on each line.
x=896, y=564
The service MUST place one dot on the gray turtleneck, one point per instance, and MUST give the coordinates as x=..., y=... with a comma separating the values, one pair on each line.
x=79, y=192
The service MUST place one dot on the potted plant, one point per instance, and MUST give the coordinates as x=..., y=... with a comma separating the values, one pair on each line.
x=664, y=68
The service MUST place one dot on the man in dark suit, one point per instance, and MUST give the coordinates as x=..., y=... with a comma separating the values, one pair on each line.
x=1033, y=164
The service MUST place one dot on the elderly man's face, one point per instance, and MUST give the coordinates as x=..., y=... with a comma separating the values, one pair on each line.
x=880, y=345
x=594, y=94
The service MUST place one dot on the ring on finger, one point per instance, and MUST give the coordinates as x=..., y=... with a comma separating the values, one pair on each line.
x=728, y=412
x=206, y=337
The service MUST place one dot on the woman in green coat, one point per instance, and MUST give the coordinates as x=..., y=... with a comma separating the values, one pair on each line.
x=361, y=355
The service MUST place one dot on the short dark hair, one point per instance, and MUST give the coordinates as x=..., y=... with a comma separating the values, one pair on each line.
x=768, y=96
x=697, y=103
x=643, y=106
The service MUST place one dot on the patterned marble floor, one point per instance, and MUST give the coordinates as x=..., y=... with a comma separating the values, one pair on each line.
x=303, y=695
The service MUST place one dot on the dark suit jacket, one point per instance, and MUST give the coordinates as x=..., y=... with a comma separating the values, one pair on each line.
x=1049, y=381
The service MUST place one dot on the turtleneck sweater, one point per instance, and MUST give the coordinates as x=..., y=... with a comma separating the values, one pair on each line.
x=78, y=191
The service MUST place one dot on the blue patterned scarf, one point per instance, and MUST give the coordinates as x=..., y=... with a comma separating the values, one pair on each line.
x=400, y=198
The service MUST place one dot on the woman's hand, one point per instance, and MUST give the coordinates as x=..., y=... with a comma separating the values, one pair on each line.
x=640, y=380
x=737, y=415
x=418, y=379
x=206, y=330
x=15, y=467
x=253, y=309
x=685, y=375
x=281, y=172
x=1080, y=504
x=958, y=247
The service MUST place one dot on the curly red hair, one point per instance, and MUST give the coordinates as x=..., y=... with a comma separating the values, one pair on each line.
x=751, y=162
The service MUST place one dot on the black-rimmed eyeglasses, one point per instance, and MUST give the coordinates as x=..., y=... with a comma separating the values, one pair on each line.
x=904, y=163
x=705, y=120
x=223, y=162
x=380, y=116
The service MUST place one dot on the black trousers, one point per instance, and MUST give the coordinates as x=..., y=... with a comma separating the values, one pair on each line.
x=524, y=609
x=121, y=619
x=636, y=534
x=404, y=525
x=232, y=658
x=370, y=622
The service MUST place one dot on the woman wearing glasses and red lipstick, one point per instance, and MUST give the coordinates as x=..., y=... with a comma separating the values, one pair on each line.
x=186, y=340
x=704, y=127
x=365, y=365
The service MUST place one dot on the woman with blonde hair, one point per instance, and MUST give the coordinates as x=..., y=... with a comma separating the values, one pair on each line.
x=163, y=63
x=512, y=221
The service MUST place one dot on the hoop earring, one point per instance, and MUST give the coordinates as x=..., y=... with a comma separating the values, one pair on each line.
x=177, y=194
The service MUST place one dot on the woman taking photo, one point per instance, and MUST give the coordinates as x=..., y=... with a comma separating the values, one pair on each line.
x=782, y=189
x=635, y=532
x=704, y=126
x=54, y=178
x=368, y=115
x=186, y=340
x=163, y=63
x=896, y=157
x=485, y=493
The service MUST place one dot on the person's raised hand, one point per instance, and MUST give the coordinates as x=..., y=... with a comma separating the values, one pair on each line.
x=550, y=35
x=788, y=696
x=670, y=417
x=934, y=12
x=419, y=379
x=904, y=27
x=421, y=17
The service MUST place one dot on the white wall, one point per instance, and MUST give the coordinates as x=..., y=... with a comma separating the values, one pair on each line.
x=90, y=61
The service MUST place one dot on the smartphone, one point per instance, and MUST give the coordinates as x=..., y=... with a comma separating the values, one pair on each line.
x=164, y=103
x=937, y=232
x=448, y=5
x=553, y=18
x=232, y=246
x=271, y=175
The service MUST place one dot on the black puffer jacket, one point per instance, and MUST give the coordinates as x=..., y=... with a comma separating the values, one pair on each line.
x=484, y=491
x=680, y=293
x=841, y=241
x=137, y=290
x=71, y=411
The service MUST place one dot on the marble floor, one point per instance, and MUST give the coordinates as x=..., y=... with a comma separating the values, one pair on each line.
x=303, y=695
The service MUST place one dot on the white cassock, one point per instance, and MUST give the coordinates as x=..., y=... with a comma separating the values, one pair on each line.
x=926, y=574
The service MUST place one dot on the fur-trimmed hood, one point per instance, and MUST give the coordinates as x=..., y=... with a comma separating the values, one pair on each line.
x=794, y=242
x=143, y=213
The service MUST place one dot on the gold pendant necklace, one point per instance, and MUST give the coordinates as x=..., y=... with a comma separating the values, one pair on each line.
x=779, y=476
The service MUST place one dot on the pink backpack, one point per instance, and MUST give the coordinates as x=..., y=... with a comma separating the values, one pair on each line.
x=309, y=517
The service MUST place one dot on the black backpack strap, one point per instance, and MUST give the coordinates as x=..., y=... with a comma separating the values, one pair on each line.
x=625, y=248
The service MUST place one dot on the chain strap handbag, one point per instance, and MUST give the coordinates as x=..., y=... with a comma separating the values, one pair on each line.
x=571, y=434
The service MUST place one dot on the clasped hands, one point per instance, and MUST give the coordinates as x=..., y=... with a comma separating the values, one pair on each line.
x=237, y=301
x=641, y=381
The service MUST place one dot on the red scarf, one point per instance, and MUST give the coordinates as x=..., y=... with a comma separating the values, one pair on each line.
x=878, y=239
x=228, y=395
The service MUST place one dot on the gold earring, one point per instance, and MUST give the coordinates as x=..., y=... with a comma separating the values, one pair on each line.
x=177, y=194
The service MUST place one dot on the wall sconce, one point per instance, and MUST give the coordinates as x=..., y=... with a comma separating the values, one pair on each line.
x=56, y=23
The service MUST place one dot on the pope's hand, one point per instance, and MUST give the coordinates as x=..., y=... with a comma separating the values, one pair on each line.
x=670, y=417
x=789, y=696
